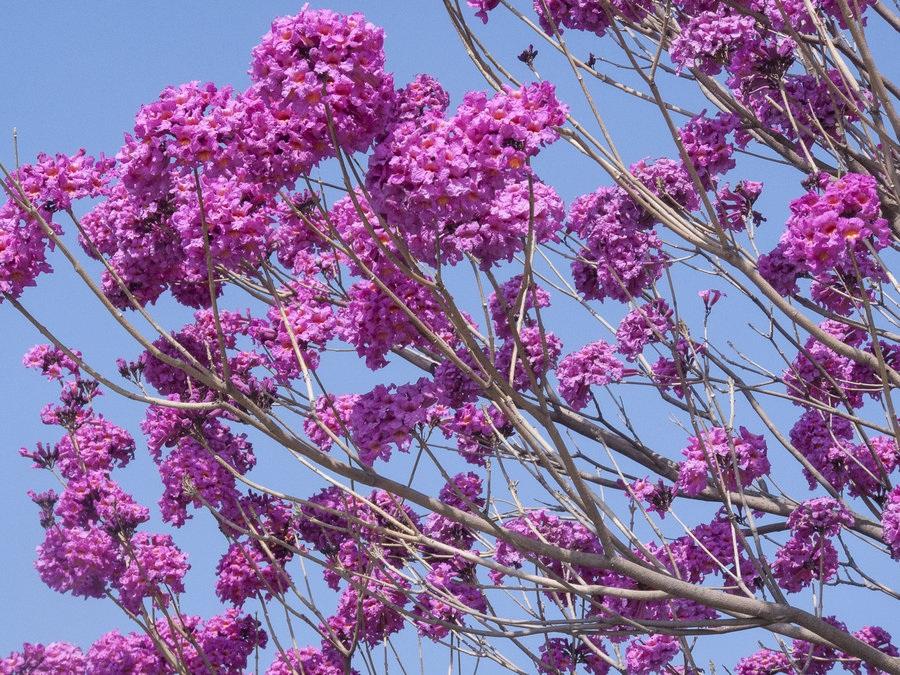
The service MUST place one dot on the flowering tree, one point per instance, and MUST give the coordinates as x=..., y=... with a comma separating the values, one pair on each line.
x=503, y=490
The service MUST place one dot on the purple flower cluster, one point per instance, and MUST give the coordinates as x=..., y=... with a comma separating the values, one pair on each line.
x=50, y=361
x=451, y=591
x=152, y=227
x=462, y=185
x=198, y=445
x=890, y=521
x=297, y=329
x=824, y=440
x=354, y=224
x=816, y=659
x=347, y=529
x=809, y=553
x=462, y=492
x=651, y=654
x=374, y=323
x=646, y=324
x=422, y=97
x=245, y=570
x=318, y=63
x=200, y=340
x=587, y=15
x=50, y=185
x=55, y=658
x=873, y=636
x=829, y=232
x=185, y=128
x=593, y=364
x=758, y=59
x=728, y=458
x=706, y=144
x=155, y=568
x=536, y=356
x=734, y=208
x=764, y=662
x=478, y=431
x=658, y=497
x=310, y=661
x=543, y=526
x=621, y=256
x=362, y=539
x=387, y=416
x=91, y=547
x=562, y=655
x=511, y=306
x=334, y=414
x=820, y=374
x=708, y=40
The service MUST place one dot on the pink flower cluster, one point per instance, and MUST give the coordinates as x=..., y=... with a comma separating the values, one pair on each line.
x=728, y=458
x=587, y=15
x=296, y=330
x=462, y=492
x=830, y=231
x=387, y=416
x=734, y=208
x=805, y=657
x=890, y=521
x=621, y=256
x=651, y=654
x=645, y=324
x=479, y=430
x=546, y=527
x=51, y=361
x=310, y=661
x=50, y=185
x=593, y=364
x=318, y=64
x=197, y=445
x=809, y=553
x=708, y=40
x=55, y=658
x=462, y=185
x=536, y=352
x=563, y=655
x=91, y=547
x=712, y=548
x=334, y=414
x=512, y=304
x=706, y=144
x=374, y=323
x=818, y=373
x=349, y=530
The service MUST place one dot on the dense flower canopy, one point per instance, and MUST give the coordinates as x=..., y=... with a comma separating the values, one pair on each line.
x=501, y=473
